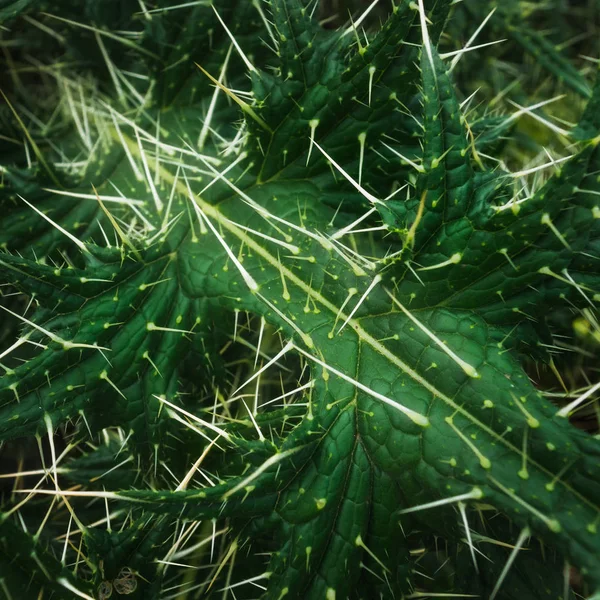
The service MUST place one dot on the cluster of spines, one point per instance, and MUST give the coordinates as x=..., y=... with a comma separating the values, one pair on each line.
x=207, y=219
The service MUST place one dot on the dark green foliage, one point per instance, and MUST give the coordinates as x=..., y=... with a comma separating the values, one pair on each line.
x=272, y=325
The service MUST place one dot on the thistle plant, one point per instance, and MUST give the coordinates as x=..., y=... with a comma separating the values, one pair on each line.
x=276, y=297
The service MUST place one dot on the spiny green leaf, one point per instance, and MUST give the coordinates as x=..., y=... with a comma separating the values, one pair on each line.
x=126, y=556
x=272, y=390
x=30, y=568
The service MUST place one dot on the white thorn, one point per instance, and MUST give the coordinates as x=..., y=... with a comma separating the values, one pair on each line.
x=375, y=281
x=471, y=39
x=414, y=165
x=360, y=19
x=77, y=242
x=458, y=53
x=273, y=460
x=425, y=33
x=305, y=337
x=248, y=279
x=364, y=192
x=466, y=367
x=414, y=416
x=69, y=586
x=313, y=124
x=453, y=260
x=213, y=102
x=540, y=167
x=260, y=433
x=193, y=417
x=348, y=228
x=567, y=410
x=157, y=201
x=248, y=64
x=523, y=536
x=177, y=6
x=474, y=494
x=281, y=353
x=463, y=514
